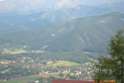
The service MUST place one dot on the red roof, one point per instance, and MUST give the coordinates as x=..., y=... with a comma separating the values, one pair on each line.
x=71, y=81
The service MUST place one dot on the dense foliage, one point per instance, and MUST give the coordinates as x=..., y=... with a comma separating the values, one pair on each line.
x=112, y=67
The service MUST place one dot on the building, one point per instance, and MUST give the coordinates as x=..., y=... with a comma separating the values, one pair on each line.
x=72, y=81
x=83, y=81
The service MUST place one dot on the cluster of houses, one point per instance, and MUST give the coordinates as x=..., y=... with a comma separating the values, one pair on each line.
x=83, y=81
x=7, y=62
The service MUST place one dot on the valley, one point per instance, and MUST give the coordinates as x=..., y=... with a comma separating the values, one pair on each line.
x=31, y=53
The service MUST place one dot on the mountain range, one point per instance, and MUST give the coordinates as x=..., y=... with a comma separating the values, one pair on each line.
x=89, y=33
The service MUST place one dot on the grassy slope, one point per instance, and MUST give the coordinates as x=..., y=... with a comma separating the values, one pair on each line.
x=63, y=63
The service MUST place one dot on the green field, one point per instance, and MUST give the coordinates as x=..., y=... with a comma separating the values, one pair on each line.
x=63, y=64
x=27, y=79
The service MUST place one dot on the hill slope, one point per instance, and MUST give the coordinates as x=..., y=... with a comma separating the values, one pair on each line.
x=89, y=34
x=81, y=34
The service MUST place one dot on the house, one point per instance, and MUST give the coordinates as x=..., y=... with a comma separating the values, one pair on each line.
x=83, y=81
x=72, y=81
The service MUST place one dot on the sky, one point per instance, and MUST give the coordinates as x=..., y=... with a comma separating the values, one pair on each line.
x=26, y=6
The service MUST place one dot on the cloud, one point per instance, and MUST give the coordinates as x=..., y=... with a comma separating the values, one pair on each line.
x=2, y=0
x=98, y=2
x=27, y=6
x=21, y=6
x=6, y=6
x=67, y=3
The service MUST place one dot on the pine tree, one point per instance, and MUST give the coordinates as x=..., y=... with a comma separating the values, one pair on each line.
x=117, y=56
x=112, y=67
